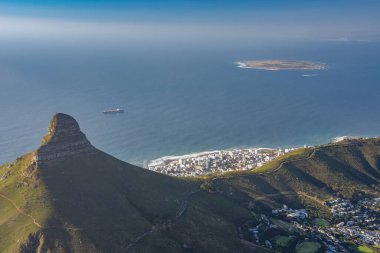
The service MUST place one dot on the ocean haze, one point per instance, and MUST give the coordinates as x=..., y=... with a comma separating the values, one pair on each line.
x=189, y=20
x=172, y=66
x=188, y=97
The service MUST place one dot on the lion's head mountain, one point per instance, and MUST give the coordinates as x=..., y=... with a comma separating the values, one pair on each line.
x=68, y=196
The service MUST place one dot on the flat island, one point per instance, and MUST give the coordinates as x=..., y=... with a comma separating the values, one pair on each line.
x=281, y=65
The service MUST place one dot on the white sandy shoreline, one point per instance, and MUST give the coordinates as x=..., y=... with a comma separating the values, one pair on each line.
x=202, y=153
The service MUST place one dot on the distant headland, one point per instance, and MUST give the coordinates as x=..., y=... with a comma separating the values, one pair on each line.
x=281, y=65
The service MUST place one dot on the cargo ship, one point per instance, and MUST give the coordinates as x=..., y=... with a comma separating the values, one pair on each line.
x=112, y=111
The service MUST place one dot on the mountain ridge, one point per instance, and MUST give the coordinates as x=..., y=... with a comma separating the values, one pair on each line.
x=68, y=196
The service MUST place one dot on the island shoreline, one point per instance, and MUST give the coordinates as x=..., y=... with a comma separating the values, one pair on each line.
x=277, y=65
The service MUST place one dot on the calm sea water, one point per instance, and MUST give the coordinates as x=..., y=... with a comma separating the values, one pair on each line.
x=184, y=98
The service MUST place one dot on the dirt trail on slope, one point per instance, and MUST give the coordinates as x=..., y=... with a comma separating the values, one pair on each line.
x=34, y=221
x=127, y=246
x=155, y=228
x=20, y=211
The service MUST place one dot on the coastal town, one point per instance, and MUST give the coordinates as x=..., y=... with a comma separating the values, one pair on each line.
x=215, y=161
x=352, y=225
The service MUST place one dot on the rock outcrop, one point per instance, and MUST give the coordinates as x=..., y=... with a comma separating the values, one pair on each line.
x=63, y=139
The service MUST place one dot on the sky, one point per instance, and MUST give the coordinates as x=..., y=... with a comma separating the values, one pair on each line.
x=61, y=20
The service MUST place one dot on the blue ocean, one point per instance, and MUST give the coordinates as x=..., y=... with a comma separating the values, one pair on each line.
x=183, y=98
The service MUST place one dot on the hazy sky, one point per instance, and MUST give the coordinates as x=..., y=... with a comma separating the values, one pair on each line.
x=191, y=19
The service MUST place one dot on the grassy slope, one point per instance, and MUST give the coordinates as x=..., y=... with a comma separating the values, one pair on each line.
x=17, y=200
x=111, y=202
x=309, y=176
x=210, y=220
x=108, y=200
x=208, y=225
x=95, y=203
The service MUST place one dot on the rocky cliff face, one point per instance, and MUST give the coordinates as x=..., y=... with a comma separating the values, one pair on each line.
x=63, y=139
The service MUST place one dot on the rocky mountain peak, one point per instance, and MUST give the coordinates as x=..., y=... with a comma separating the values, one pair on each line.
x=64, y=138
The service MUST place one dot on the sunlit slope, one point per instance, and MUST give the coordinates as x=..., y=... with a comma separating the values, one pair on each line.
x=17, y=202
x=347, y=169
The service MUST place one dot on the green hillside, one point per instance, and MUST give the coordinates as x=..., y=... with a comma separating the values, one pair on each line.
x=93, y=202
x=67, y=196
x=307, y=177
